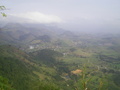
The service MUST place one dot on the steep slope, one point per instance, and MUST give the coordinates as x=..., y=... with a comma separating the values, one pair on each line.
x=15, y=67
x=25, y=73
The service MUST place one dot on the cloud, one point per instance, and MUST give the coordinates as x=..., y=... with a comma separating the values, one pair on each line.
x=39, y=17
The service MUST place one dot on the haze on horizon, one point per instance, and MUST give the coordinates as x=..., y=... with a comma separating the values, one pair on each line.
x=77, y=15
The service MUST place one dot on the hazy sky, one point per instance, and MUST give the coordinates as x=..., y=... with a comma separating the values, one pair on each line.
x=70, y=14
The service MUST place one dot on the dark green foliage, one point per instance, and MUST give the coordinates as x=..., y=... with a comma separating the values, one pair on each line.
x=72, y=49
x=62, y=67
x=116, y=79
x=15, y=71
x=4, y=84
x=46, y=56
x=49, y=53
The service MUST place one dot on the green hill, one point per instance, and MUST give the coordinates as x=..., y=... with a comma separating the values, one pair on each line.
x=14, y=66
x=20, y=70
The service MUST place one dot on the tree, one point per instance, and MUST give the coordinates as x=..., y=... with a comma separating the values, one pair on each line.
x=1, y=9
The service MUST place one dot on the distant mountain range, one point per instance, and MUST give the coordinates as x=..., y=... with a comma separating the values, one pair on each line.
x=17, y=33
